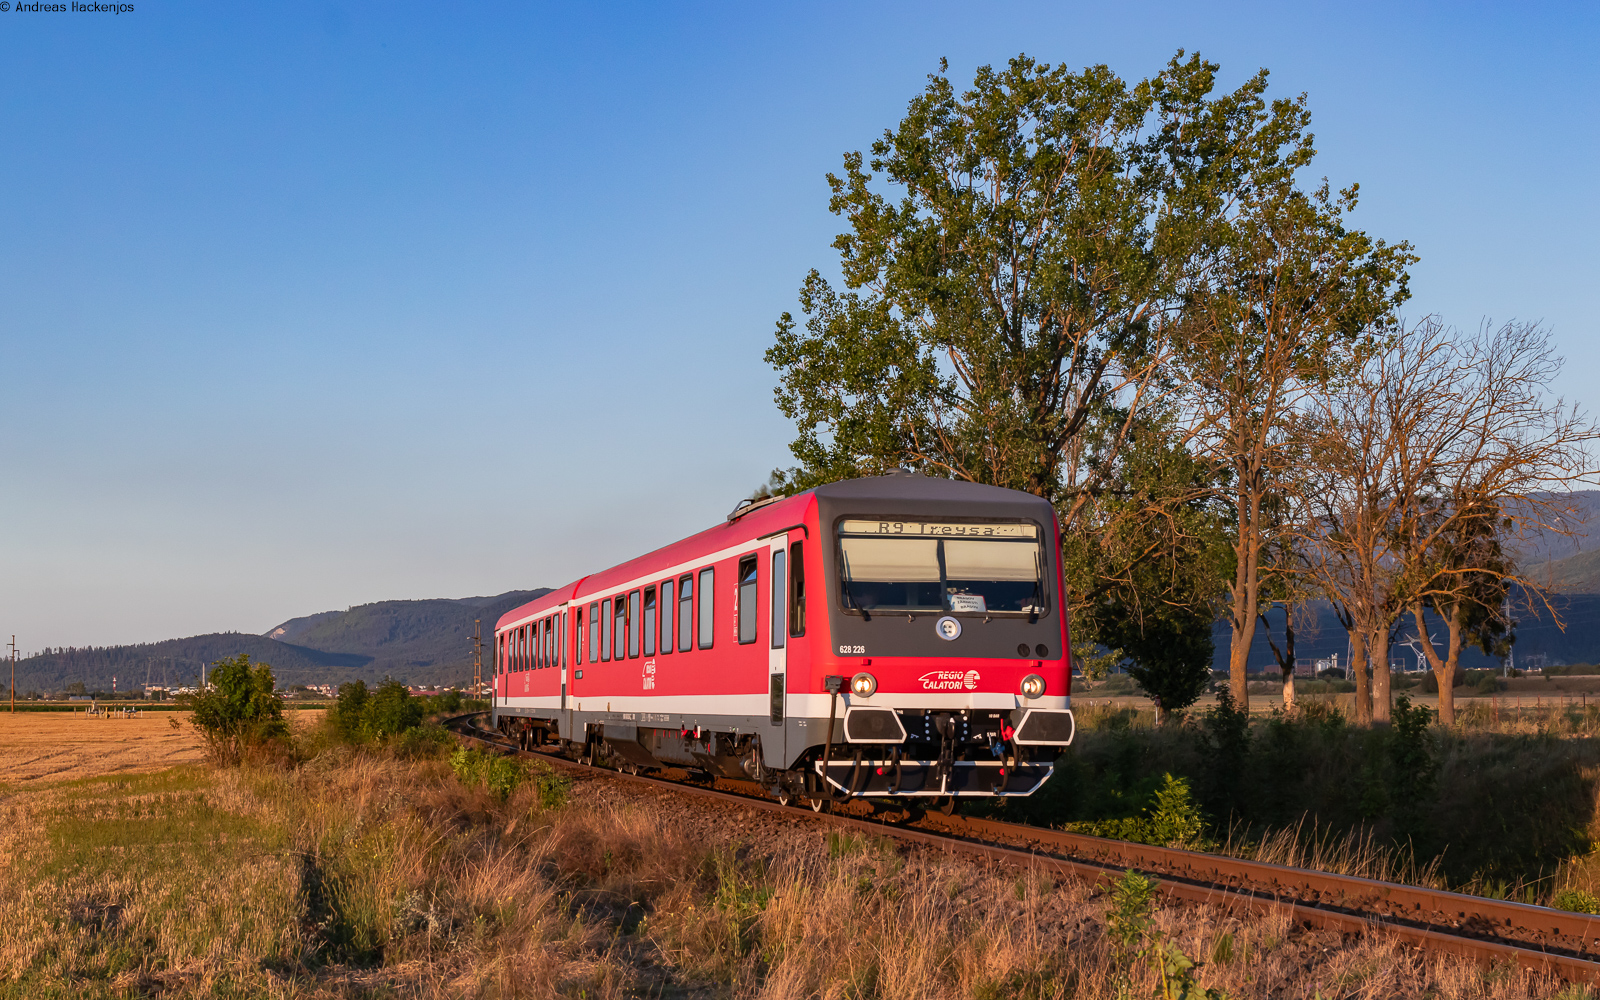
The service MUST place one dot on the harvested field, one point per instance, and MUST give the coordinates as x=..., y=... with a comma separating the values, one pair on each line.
x=58, y=746
x=51, y=746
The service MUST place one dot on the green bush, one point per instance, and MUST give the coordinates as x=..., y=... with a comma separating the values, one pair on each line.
x=502, y=775
x=1172, y=820
x=239, y=710
x=363, y=716
x=1576, y=901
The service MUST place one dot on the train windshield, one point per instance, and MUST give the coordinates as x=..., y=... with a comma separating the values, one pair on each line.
x=938, y=566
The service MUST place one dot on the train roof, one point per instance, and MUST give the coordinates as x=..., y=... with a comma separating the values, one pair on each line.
x=905, y=493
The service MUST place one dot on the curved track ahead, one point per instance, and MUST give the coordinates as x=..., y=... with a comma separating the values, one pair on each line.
x=1567, y=944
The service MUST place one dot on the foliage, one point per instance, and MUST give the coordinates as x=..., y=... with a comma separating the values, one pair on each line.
x=239, y=709
x=503, y=775
x=1226, y=748
x=1147, y=582
x=363, y=716
x=1576, y=901
x=1134, y=936
x=1172, y=819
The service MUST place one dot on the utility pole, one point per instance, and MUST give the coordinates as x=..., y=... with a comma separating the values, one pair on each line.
x=477, y=655
x=13, y=674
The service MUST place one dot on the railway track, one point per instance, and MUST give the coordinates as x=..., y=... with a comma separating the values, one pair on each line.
x=1486, y=930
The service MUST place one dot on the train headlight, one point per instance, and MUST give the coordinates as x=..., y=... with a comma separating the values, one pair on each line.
x=863, y=684
x=1032, y=686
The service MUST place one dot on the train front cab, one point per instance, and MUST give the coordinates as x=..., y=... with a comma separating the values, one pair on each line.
x=938, y=646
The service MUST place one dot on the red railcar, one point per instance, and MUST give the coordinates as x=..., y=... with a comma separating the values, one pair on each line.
x=896, y=636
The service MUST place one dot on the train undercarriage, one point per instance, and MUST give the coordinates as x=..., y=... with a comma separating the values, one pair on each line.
x=886, y=756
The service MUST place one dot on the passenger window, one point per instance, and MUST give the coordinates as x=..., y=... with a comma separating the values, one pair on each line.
x=561, y=639
x=797, y=590
x=577, y=627
x=666, y=617
x=748, y=611
x=605, y=634
x=633, y=624
x=621, y=629
x=594, y=633
x=780, y=602
x=650, y=621
x=546, y=647
x=708, y=593
x=685, y=613
x=522, y=649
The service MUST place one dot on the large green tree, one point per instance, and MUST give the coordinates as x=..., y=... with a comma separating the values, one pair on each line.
x=1015, y=261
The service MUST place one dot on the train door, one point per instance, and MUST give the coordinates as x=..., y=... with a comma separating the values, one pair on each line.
x=778, y=647
x=563, y=646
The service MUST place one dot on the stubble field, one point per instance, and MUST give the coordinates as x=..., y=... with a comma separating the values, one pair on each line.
x=58, y=746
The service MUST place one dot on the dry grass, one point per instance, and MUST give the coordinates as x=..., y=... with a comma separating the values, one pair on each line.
x=358, y=875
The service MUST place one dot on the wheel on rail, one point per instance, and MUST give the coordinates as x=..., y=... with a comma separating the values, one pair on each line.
x=783, y=796
x=819, y=805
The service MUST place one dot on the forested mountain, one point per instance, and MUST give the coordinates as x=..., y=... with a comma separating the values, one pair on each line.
x=406, y=639
x=420, y=642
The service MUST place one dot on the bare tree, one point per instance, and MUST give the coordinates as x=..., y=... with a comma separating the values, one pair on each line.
x=1513, y=454
x=1437, y=450
x=1293, y=297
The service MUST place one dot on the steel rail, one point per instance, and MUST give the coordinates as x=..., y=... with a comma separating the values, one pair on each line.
x=1343, y=903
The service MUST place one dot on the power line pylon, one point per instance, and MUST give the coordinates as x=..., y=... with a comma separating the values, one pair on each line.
x=477, y=656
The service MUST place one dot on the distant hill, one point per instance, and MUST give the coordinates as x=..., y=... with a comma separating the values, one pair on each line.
x=412, y=640
x=420, y=642
x=177, y=662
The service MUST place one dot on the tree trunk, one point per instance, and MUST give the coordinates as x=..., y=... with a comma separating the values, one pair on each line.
x=1288, y=689
x=1244, y=633
x=1246, y=597
x=1444, y=671
x=1358, y=670
x=1378, y=653
x=1452, y=663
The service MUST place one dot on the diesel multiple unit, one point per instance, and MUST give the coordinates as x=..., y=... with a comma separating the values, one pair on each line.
x=895, y=636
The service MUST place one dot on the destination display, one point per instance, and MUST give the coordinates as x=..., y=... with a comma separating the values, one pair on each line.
x=939, y=529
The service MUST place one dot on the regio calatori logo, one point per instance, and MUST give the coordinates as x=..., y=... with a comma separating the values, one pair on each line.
x=949, y=680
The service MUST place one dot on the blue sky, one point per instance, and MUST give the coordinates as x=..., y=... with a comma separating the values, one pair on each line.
x=309, y=305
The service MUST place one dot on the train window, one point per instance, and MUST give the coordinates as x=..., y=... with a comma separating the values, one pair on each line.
x=577, y=630
x=919, y=566
x=685, y=613
x=748, y=608
x=797, y=590
x=666, y=616
x=649, y=621
x=708, y=594
x=547, y=646
x=594, y=633
x=620, y=649
x=500, y=654
x=605, y=629
x=780, y=603
x=633, y=624
x=561, y=640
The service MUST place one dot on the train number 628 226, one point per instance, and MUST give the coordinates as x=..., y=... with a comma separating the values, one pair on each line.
x=852, y=650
